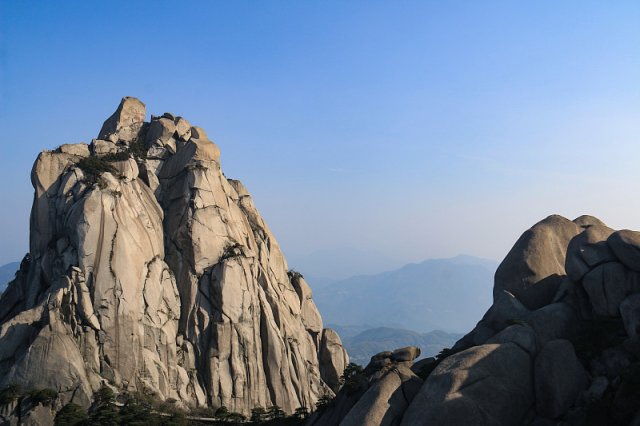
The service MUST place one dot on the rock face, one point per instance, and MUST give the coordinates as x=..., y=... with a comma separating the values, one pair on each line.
x=559, y=378
x=559, y=345
x=487, y=384
x=379, y=395
x=149, y=270
x=535, y=266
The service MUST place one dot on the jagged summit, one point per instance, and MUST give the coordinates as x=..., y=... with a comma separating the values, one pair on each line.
x=148, y=269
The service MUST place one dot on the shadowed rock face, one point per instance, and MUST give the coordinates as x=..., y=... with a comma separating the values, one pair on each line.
x=148, y=269
x=559, y=345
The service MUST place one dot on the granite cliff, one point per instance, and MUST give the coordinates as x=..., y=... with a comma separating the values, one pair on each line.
x=149, y=270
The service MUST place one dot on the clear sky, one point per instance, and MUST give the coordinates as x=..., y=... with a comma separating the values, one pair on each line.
x=415, y=129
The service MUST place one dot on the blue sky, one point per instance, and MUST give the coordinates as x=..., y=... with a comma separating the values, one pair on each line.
x=413, y=129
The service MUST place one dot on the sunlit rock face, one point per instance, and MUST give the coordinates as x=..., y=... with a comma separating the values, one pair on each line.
x=150, y=270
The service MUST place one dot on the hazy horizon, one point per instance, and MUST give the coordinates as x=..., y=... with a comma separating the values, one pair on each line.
x=418, y=130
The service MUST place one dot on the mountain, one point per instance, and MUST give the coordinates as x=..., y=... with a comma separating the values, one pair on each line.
x=559, y=345
x=7, y=273
x=345, y=262
x=437, y=294
x=364, y=345
x=150, y=271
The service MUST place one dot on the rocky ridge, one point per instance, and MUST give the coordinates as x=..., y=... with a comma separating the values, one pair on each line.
x=149, y=270
x=559, y=346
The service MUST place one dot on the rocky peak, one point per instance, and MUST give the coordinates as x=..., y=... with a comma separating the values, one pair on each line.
x=125, y=123
x=150, y=270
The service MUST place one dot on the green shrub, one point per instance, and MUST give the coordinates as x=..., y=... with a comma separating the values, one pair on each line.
x=353, y=378
x=43, y=396
x=301, y=413
x=324, y=402
x=293, y=274
x=275, y=413
x=10, y=393
x=231, y=251
x=136, y=412
x=258, y=415
x=93, y=167
x=71, y=415
x=105, y=412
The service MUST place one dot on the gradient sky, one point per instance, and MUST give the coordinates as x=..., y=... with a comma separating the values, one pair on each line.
x=415, y=129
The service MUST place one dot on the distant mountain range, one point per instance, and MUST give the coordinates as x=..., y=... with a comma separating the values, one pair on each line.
x=438, y=294
x=362, y=346
x=7, y=273
x=324, y=267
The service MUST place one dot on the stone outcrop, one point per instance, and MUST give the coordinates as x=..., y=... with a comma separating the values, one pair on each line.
x=535, y=266
x=559, y=345
x=378, y=395
x=149, y=270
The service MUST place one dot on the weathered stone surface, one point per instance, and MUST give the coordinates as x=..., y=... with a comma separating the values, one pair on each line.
x=125, y=123
x=555, y=321
x=522, y=335
x=559, y=378
x=587, y=250
x=161, y=275
x=534, y=268
x=608, y=285
x=101, y=147
x=384, y=403
x=333, y=358
x=79, y=149
x=505, y=311
x=484, y=385
x=160, y=138
x=585, y=221
x=408, y=353
x=183, y=129
x=626, y=246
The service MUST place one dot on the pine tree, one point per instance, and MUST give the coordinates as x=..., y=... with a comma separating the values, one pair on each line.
x=105, y=411
x=71, y=415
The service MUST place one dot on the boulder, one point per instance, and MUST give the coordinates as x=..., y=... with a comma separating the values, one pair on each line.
x=630, y=312
x=522, y=335
x=161, y=133
x=585, y=221
x=484, y=385
x=79, y=149
x=587, y=250
x=506, y=310
x=183, y=129
x=559, y=378
x=608, y=285
x=101, y=147
x=333, y=359
x=626, y=246
x=408, y=353
x=555, y=321
x=534, y=268
x=384, y=403
x=125, y=123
